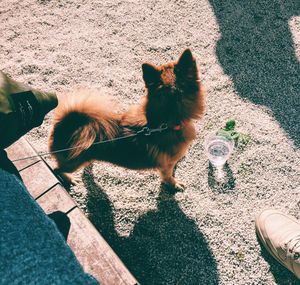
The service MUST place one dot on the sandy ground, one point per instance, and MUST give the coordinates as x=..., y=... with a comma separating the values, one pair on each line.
x=248, y=53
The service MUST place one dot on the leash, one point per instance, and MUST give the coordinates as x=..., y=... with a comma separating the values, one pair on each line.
x=146, y=131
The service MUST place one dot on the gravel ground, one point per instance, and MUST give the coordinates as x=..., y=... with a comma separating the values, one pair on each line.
x=248, y=53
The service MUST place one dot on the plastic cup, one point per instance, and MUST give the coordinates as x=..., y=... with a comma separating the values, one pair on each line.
x=218, y=149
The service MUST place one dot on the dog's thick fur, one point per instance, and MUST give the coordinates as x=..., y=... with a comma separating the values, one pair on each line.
x=174, y=97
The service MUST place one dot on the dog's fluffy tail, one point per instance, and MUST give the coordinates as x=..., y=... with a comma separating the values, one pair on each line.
x=82, y=118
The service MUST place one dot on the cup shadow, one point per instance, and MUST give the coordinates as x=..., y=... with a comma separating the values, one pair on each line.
x=224, y=185
x=256, y=50
x=165, y=246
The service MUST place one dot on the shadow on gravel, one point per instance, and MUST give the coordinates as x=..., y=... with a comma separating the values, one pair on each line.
x=226, y=184
x=257, y=51
x=165, y=246
x=281, y=275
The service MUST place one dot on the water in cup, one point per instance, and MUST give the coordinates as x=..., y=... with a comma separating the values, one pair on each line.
x=218, y=149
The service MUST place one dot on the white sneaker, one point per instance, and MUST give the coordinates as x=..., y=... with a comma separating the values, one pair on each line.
x=280, y=234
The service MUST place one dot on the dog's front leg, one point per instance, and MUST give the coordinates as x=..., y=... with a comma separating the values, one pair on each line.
x=166, y=174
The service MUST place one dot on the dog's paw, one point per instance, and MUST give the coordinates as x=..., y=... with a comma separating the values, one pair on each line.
x=175, y=183
x=67, y=179
x=74, y=179
x=179, y=185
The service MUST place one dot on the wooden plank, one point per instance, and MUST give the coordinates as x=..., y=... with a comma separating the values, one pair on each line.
x=21, y=149
x=38, y=179
x=57, y=199
x=94, y=253
x=91, y=250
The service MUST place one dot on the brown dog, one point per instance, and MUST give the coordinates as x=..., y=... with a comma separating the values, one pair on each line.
x=174, y=97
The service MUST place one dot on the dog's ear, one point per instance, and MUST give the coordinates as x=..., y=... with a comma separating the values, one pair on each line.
x=186, y=59
x=151, y=74
x=186, y=64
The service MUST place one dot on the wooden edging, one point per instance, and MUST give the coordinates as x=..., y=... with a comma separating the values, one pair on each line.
x=92, y=251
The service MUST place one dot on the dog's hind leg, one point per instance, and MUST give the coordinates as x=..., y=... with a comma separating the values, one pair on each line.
x=65, y=171
x=66, y=179
x=166, y=173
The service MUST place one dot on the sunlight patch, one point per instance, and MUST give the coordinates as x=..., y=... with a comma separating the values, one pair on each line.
x=294, y=24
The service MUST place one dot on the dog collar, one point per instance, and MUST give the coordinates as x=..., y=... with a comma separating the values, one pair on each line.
x=179, y=126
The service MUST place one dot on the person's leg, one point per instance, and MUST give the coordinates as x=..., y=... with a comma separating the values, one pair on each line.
x=7, y=165
x=280, y=234
x=32, y=249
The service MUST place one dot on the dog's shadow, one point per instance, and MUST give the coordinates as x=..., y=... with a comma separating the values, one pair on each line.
x=165, y=246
